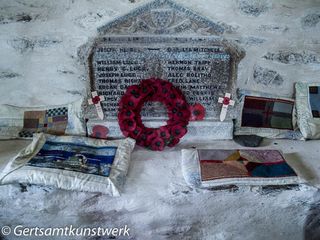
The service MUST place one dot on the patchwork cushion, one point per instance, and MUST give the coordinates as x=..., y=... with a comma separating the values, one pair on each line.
x=266, y=116
x=19, y=122
x=308, y=109
x=72, y=163
x=218, y=167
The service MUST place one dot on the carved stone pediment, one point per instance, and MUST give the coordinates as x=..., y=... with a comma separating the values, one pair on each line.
x=162, y=17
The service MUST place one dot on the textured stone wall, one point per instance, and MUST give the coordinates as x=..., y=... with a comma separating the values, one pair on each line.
x=40, y=39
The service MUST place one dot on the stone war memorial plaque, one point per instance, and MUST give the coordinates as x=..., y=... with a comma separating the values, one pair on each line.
x=166, y=41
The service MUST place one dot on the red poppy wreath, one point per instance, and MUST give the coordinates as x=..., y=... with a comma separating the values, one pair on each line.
x=154, y=90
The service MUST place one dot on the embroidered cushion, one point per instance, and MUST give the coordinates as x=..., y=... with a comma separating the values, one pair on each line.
x=266, y=116
x=207, y=168
x=21, y=122
x=308, y=109
x=72, y=163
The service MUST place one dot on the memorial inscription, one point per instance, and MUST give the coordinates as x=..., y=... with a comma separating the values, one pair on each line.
x=200, y=67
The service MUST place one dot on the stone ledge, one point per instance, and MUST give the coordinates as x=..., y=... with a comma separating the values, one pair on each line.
x=201, y=130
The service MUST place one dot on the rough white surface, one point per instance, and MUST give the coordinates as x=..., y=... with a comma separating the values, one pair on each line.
x=158, y=204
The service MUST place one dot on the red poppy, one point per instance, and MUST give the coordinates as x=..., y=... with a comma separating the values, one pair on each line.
x=96, y=99
x=128, y=125
x=151, y=134
x=164, y=133
x=179, y=93
x=172, y=96
x=146, y=91
x=164, y=89
x=198, y=112
x=226, y=101
x=125, y=114
x=99, y=131
x=147, y=86
x=136, y=132
x=184, y=114
x=134, y=91
x=138, y=119
x=142, y=140
x=179, y=103
x=173, y=142
x=129, y=102
x=157, y=144
x=156, y=84
x=177, y=115
x=178, y=131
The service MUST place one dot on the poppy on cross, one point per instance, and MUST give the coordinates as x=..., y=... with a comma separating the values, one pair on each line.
x=96, y=100
x=226, y=101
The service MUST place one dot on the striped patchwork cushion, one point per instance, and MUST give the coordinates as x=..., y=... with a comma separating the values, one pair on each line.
x=23, y=122
x=265, y=115
x=223, y=167
x=53, y=121
x=220, y=164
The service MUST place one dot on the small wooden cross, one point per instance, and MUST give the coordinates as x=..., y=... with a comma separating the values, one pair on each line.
x=226, y=101
x=96, y=100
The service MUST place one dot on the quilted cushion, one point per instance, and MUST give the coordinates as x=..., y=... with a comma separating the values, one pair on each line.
x=266, y=115
x=72, y=163
x=23, y=122
x=308, y=109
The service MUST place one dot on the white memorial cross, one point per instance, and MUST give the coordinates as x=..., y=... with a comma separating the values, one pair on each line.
x=96, y=100
x=226, y=101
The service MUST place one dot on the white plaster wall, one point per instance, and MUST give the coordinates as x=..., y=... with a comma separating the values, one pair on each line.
x=39, y=40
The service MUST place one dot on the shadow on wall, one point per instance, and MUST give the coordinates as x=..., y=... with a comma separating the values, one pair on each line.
x=312, y=224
